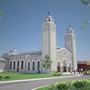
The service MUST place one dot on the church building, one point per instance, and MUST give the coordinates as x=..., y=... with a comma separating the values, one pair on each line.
x=63, y=59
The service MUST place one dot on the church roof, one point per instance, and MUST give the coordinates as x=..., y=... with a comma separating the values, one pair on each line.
x=30, y=53
x=2, y=59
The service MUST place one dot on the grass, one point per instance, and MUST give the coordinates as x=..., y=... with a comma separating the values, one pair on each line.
x=18, y=76
x=44, y=88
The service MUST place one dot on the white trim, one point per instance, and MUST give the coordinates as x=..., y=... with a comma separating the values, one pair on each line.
x=63, y=49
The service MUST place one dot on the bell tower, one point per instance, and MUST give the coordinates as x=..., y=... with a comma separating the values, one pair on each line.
x=49, y=40
x=70, y=45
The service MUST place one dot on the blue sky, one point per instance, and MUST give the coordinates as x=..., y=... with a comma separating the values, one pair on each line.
x=21, y=24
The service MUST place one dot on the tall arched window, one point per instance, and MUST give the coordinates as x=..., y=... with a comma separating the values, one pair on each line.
x=10, y=65
x=28, y=66
x=14, y=65
x=33, y=67
x=18, y=66
x=38, y=65
x=21, y=64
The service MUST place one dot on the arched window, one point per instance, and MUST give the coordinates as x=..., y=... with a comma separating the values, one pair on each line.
x=28, y=66
x=18, y=66
x=14, y=65
x=38, y=65
x=21, y=64
x=33, y=67
x=10, y=65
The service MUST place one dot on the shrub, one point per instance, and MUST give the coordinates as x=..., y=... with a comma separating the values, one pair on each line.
x=1, y=77
x=56, y=73
x=7, y=77
x=74, y=85
x=62, y=86
x=52, y=87
x=80, y=85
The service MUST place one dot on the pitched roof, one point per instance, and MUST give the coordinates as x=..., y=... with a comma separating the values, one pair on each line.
x=2, y=59
x=29, y=53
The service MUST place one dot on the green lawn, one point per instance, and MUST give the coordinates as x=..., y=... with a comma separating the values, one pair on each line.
x=44, y=88
x=18, y=76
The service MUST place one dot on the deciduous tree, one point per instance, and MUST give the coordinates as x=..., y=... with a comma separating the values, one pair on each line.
x=46, y=62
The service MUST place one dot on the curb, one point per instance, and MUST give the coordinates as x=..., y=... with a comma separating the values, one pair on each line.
x=40, y=87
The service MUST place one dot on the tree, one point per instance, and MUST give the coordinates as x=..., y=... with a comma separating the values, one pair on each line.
x=86, y=2
x=1, y=13
x=46, y=63
x=85, y=22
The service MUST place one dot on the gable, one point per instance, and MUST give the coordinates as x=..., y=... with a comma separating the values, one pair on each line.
x=63, y=51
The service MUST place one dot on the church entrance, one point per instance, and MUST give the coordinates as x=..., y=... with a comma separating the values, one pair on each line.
x=18, y=66
x=64, y=69
x=58, y=68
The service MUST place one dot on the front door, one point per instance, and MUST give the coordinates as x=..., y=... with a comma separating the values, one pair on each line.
x=64, y=68
x=58, y=68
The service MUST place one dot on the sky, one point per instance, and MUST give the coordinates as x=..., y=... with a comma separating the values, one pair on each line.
x=21, y=24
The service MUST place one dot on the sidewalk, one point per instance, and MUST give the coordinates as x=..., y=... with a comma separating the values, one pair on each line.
x=25, y=80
